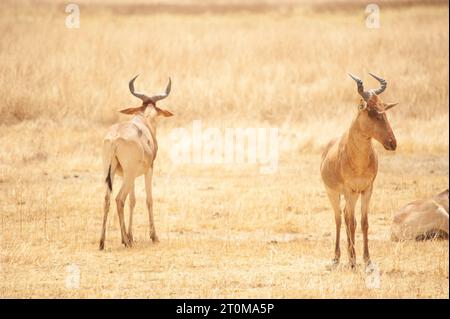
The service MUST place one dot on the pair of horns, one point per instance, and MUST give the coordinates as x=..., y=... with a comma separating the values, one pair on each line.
x=366, y=95
x=153, y=99
x=149, y=99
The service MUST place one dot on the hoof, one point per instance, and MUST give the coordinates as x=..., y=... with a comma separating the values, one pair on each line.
x=154, y=239
x=334, y=265
x=101, y=245
x=127, y=245
x=126, y=242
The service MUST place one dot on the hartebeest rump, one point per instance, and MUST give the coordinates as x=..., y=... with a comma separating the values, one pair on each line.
x=349, y=165
x=129, y=150
x=422, y=219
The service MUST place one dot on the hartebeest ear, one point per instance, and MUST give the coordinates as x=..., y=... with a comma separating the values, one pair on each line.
x=132, y=110
x=362, y=105
x=163, y=112
x=388, y=106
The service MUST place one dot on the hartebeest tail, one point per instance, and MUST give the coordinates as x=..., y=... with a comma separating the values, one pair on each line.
x=129, y=149
x=349, y=165
x=110, y=163
x=108, y=179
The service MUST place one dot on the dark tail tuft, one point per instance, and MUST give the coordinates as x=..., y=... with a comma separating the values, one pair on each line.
x=108, y=179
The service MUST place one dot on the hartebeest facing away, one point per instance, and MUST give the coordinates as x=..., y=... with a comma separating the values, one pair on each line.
x=129, y=150
x=349, y=165
x=422, y=219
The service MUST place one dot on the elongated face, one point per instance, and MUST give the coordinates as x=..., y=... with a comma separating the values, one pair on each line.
x=374, y=122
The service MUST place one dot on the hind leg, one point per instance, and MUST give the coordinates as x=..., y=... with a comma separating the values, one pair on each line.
x=120, y=201
x=132, y=204
x=106, y=205
x=110, y=172
x=149, y=201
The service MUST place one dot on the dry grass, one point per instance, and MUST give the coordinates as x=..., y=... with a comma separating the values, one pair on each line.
x=224, y=231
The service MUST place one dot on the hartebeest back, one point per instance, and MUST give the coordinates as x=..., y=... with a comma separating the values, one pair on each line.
x=129, y=150
x=349, y=165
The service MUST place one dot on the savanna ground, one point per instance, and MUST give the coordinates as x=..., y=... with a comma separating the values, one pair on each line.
x=225, y=230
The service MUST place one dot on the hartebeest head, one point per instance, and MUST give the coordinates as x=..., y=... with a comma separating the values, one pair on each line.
x=372, y=114
x=148, y=107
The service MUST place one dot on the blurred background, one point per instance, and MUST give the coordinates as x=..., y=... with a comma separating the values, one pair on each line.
x=273, y=62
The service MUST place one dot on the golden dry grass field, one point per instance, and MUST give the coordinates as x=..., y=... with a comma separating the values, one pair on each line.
x=225, y=230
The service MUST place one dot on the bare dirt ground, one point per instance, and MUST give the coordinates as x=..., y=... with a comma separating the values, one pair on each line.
x=224, y=232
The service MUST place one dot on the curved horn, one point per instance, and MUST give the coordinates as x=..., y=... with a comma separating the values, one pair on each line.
x=382, y=82
x=365, y=94
x=141, y=96
x=158, y=97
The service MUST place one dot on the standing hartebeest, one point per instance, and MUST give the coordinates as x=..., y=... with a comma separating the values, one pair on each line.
x=349, y=165
x=422, y=219
x=129, y=149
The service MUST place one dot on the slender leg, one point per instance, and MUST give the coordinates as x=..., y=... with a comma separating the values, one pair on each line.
x=120, y=201
x=132, y=204
x=365, y=200
x=149, y=201
x=334, y=198
x=350, y=223
x=106, y=206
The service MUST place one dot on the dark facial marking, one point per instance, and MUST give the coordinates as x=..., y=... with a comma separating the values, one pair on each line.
x=375, y=114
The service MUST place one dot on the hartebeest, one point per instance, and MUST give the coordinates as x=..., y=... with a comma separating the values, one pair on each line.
x=349, y=165
x=422, y=219
x=129, y=149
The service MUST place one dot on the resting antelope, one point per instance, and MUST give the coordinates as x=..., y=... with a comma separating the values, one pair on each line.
x=349, y=165
x=129, y=149
x=422, y=219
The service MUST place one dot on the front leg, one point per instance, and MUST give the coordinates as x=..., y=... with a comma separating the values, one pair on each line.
x=149, y=201
x=335, y=198
x=350, y=222
x=365, y=200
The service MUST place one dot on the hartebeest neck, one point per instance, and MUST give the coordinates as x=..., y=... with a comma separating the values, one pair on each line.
x=358, y=147
x=150, y=124
x=140, y=118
